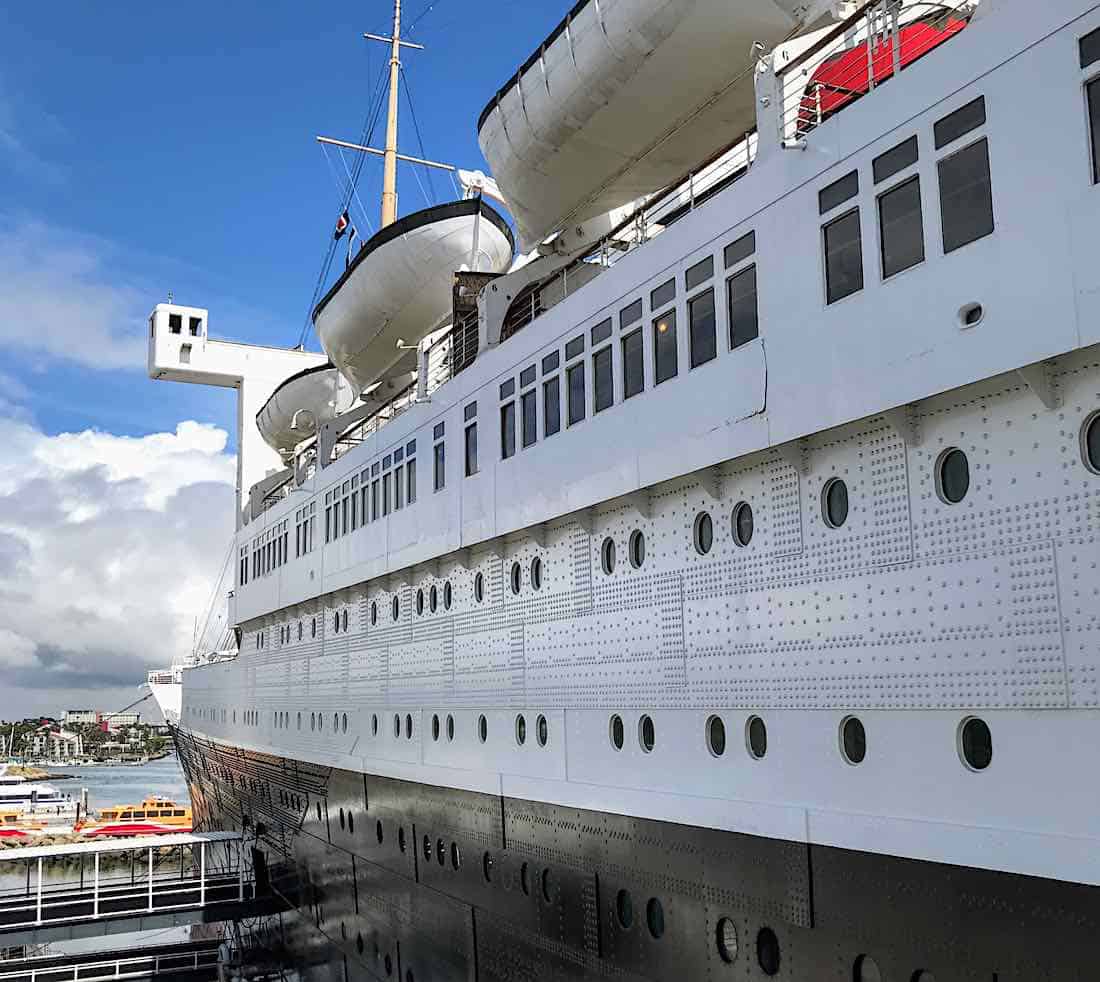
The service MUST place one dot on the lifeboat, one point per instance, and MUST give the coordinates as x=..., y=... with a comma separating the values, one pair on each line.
x=154, y=816
x=302, y=404
x=398, y=288
x=591, y=122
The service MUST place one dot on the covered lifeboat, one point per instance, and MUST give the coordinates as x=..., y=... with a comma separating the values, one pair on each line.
x=301, y=405
x=622, y=99
x=399, y=285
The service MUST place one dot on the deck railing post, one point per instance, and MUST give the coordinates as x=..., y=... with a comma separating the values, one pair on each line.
x=202, y=873
x=240, y=870
x=150, y=879
x=95, y=888
x=38, y=890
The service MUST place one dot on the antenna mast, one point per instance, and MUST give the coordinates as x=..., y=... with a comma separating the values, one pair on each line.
x=389, y=172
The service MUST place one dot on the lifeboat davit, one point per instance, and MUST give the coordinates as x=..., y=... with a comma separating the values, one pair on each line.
x=301, y=405
x=399, y=287
x=622, y=99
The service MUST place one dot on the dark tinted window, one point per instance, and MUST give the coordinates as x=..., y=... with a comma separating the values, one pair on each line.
x=574, y=347
x=469, y=413
x=507, y=430
x=740, y=249
x=665, y=293
x=665, y=364
x=628, y=315
x=529, y=408
x=1090, y=48
x=901, y=227
x=551, y=406
x=953, y=478
x=550, y=362
x=895, y=161
x=960, y=122
x=602, y=331
x=702, y=331
x=966, y=196
x=838, y=192
x=1090, y=444
x=633, y=365
x=741, y=296
x=977, y=744
x=843, y=257
x=602, y=380
x=471, y=450
x=437, y=432
x=175, y=323
x=699, y=273
x=527, y=377
x=1094, y=128
x=835, y=503
x=507, y=388
x=575, y=395
x=854, y=740
x=440, y=469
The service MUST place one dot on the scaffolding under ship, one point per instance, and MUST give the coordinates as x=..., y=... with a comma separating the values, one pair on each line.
x=709, y=591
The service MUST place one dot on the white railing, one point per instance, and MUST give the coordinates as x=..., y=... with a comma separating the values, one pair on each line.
x=134, y=967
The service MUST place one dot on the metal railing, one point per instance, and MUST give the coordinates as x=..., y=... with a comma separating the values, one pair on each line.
x=156, y=964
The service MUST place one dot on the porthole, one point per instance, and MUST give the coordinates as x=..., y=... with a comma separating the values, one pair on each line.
x=952, y=476
x=450, y=728
x=834, y=503
x=542, y=730
x=975, y=744
x=447, y=595
x=756, y=737
x=547, y=893
x=427, y=849
x=482, y=728
x=319, y=811
x=299, y=630
x=341, y=819
x=299, y=719
x=616, y=732
x=727, y=940
x=1090, y=443
x=401, y=844
x=624, y=909
x=395, y=608
x=456, y=856
x=517, y=574
x=313, y=627
x=479, y=587
x=344, y=723
x=636, y=547
x=396, y=726
x=336, y=622
x=440, y=852
x=374, y=724
x=433, y=599
x=607, y=555
x=742, y=524
x=716, y=736
x=524, y=880
x=853, y=740
x=359, y=942
x=373, y=612
x=487, y=867
x=866, y=970
x=312, y=722
x=536, y=573
x=767, y=951
x=419, y=602
x=320, y=722
x=655, y=918
x=344, y=621
x=435, y=726
x=703, y=533
x=647, y=736
x=335, y=722
x=408, y=726
x=521, y=729
x=351, y=823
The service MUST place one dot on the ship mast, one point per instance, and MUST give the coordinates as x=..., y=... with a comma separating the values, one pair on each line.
x=389, y=169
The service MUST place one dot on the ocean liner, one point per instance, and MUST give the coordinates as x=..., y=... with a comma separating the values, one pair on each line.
x=686, y=567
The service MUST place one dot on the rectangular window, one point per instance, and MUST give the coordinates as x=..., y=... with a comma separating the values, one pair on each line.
x=741, y=298
x=471, y=450
x=470, y=412
x=328, y=524
x=699, y=273
x=527, y=377
x=603, y=380
x=960, y=122
x=574, y=381
x=398, y=488
x=365, y=503
x=574, y=347
x=385, y=494
x=665, y=364
x=507, y=430
x=437, y=431
x=702, y=329
x=843, y=257
x=508, y=389
x=740, y=249
x=374, y=489
x=551, y=406
x=354, y=510
x=966, y=196
x=1094, y=127
x=1090, y=48
x=602, y=331
x=195, y=325
x=901, y=227
x=175, y=323
x=633, y=365
x=838, y=192
x=345, y=522
x=630, y=315
x=550, y=362
x=439, y=468
x=664, y=294
x=529, y=417
x=895, y=161
x=410, y=481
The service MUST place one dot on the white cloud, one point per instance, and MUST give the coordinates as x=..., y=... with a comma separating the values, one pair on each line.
x=109, y=548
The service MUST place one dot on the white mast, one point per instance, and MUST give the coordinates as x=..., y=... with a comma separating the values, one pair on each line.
x=389, y=171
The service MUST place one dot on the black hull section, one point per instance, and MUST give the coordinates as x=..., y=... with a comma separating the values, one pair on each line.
x=416, y=883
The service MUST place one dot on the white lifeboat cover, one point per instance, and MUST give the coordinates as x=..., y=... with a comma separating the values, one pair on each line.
x=399, y=286
x=301, y=405
x=623, y=98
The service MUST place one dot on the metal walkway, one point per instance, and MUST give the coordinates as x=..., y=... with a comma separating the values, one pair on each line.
x=191, y=961
x=117, y=886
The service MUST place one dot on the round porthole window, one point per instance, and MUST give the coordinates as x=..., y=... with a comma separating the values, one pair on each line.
x=479, y=588
x=756, y=737
x=655, y=918
x=853, y=740
x=536, y=573
x=433, y=599
x=616, y=732
x=517, y=574
x=482, y=728
x=525, y=879
x=435, y=726
x=374, y=724
x=440, y=852
x=542, y=730
x=344, y=621
x=727, y=940
x=975, y=744
x=299, y=630
x=1090, y=443
x=952, y=476
x=299, y=719
x=637, y=548
x=521, y=729
x=408, y=726
x=767, y=951
x=487, y=867
x=313, y=627
x=447, y=595
x=716, y=736
x=607, y=555
x=703, y=533
x=401, y=843
x=336, y=622
x=396, y=725
x=456, y=856
x=866, y=970
x=624, y=909
x=742, y=524
x=834, y=503
x=313, y=721
x=419, y=602
x=647, y=736
x=335, y=722
x=450, y=728
x=373, y=612
x=547, y=887
x=395, y=608
x=427, y=849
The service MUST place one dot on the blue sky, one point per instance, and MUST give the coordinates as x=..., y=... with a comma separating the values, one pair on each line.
x=148, y=148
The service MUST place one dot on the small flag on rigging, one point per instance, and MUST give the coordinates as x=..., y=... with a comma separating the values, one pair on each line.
x=341, y=226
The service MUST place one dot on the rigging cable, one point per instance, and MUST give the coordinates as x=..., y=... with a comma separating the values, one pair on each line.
x=419, y=138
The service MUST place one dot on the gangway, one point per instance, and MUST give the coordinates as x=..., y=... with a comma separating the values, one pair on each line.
x=116, y=886
x=189, y=961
